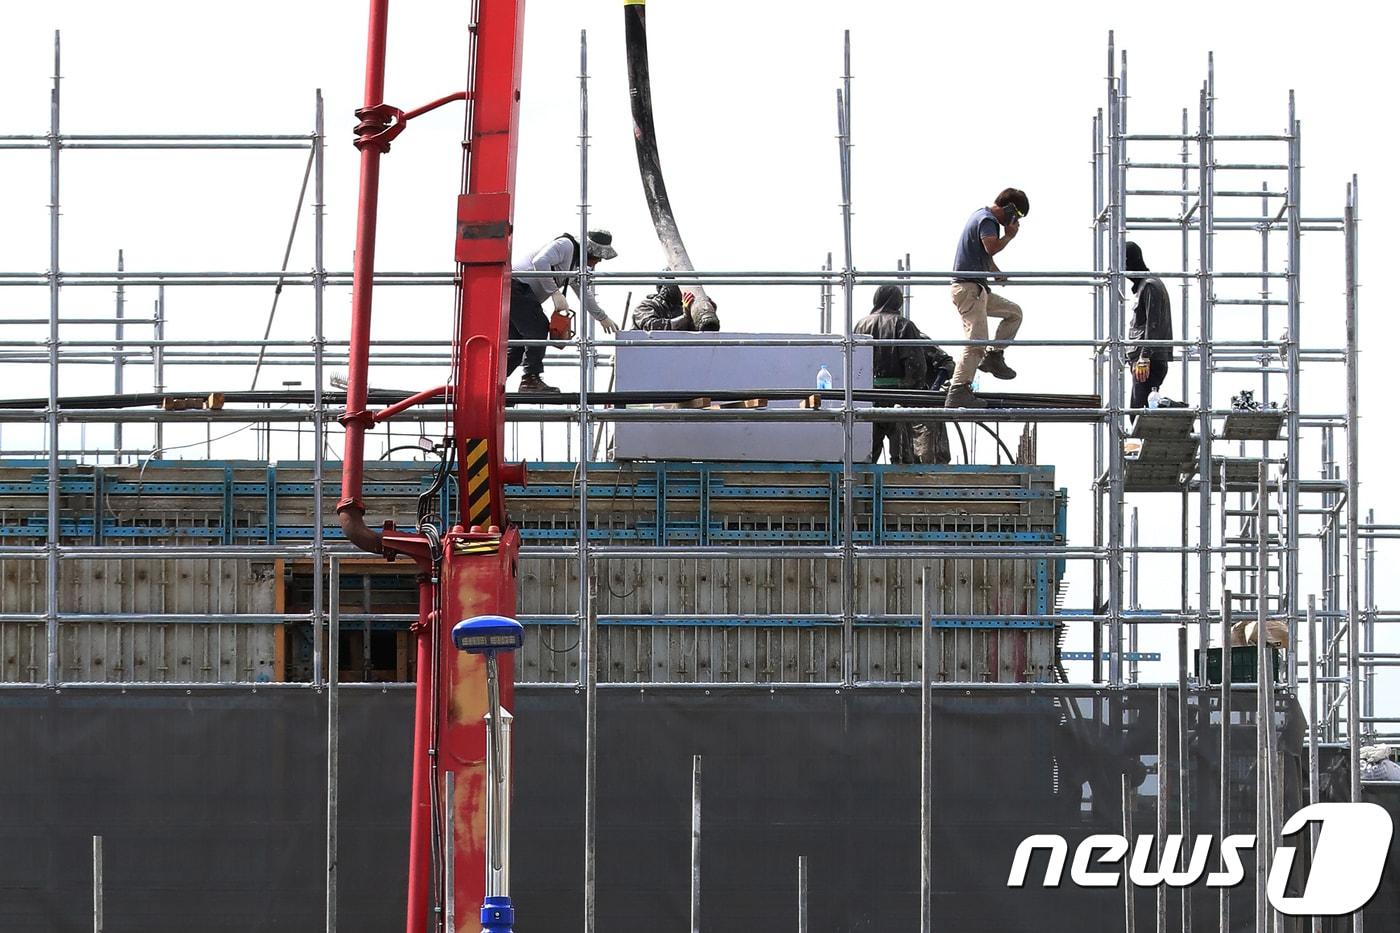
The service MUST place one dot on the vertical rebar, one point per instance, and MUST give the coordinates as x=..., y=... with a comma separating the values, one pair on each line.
x=97, y=920
x=926, y=752
x=588, y=670
x=802, y=894
x=1226, y=717
x=695, y=845
x=333, y=752
x=51, y=537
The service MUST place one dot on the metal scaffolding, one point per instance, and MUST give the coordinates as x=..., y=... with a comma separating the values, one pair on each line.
x=1231, y=501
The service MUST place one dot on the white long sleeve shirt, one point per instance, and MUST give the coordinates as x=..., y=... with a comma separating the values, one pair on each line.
x=557, y=256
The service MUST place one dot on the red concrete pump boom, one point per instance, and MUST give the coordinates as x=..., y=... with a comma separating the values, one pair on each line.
x=468, y=569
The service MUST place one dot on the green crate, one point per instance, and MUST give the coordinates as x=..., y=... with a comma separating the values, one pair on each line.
x=1244, y=664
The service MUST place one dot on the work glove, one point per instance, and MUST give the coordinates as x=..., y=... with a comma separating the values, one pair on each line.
x=608, y=324
x=1142, y=368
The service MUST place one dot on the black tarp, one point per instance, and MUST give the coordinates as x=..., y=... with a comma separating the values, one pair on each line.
x=212, y=807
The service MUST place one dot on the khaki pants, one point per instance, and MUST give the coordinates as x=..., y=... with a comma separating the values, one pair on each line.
x=976, y=304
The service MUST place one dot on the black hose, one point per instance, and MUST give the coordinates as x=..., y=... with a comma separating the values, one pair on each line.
x=644, y=127
x=962, y=439
x=997, y=438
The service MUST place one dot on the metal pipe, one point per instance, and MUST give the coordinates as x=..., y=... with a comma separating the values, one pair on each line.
x=843, y=107
x=588, y=670
x=1206, y=157
x=52, y=536
x=332, y=748
x=351, y=507
x=1098, y=369
x=926, y=609
x=695, y=845
x=1314, y=776
x=449, y=848
x=1226, y=720
x=1293, y=353
x=1129, y=908
x=1162, y=804
x=318, y=409
x=1133, y=559
x=1354, y=724
x=1270, y=793
x=587, y=583
x=118, y=358
x=1368, y=646
x=1116, y=263
x=802, y=894
x=1183, y=766
x=98, y=923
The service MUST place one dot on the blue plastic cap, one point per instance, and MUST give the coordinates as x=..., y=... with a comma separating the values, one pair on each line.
x=497, y=916
x=488, y=634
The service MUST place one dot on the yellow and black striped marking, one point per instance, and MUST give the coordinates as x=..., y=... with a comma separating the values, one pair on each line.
x=478, y=473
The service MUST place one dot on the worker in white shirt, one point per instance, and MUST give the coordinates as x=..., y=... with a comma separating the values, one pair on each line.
x=528, y=295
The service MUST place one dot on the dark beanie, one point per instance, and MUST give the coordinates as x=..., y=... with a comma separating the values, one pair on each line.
x=888, y=298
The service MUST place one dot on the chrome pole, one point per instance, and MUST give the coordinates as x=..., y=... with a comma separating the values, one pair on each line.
x=332, y=751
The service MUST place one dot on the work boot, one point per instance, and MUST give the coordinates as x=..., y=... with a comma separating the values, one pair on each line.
x=533, y=383
x=960, y=396
x=995, y=363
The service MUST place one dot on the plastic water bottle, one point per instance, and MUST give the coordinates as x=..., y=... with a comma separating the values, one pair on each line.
x=1154, y=399
x=823, y=378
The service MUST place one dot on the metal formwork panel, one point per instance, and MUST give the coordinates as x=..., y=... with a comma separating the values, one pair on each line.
x=760, y=654
x=106, y=650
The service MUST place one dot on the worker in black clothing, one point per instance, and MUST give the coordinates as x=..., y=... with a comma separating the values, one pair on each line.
x=1152, y=320
x=669, y=309
x=931, y=437
x=895, y=368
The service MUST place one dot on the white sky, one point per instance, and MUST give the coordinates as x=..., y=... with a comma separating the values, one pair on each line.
x=951, y=103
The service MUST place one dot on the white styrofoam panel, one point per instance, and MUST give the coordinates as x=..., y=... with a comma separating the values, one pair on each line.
x=702, y=369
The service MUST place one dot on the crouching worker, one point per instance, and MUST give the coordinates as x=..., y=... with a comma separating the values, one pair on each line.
x=896, y=367
x=560, y=256
x=669, y=308
x=931, y=437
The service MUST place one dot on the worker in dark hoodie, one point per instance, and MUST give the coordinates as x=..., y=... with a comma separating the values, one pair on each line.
x=669, y=308
x=896, y=367
x=1151, y=320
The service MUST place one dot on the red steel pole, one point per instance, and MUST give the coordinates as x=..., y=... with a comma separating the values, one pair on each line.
x=356, y=418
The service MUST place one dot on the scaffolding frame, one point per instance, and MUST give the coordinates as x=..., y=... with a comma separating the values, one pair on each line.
x=1342, y=657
